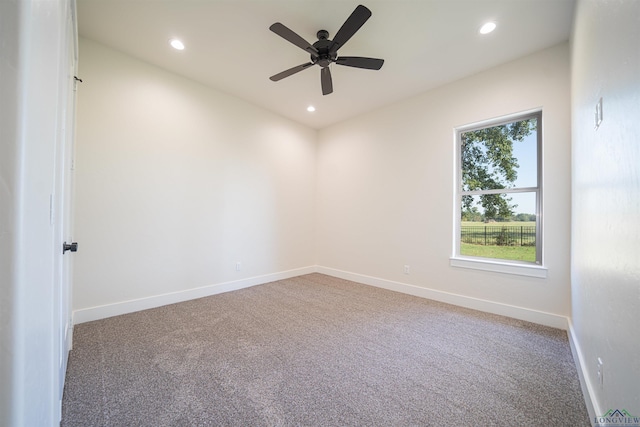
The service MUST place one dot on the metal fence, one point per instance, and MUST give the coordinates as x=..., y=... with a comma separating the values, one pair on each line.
x=498, y=235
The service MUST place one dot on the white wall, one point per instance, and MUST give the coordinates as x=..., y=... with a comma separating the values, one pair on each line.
x=34, y=41
x=176, y=182
x=385, y=189
x=606, y=200
x=9, y=146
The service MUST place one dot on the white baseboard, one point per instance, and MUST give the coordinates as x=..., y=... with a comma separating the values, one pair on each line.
x=124, y=307
x=587, y=387
x=534, y=316
x=69, y=338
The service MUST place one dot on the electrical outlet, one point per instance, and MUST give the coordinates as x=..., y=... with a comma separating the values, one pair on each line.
x=238, y=266
x=600, y=373
x=407, y=269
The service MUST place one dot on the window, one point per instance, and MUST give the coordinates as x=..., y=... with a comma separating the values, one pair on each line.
x=498, y=197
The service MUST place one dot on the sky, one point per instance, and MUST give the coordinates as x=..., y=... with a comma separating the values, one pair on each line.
x=526, y=153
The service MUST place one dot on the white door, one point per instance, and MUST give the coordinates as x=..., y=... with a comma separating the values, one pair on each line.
x=64, y=190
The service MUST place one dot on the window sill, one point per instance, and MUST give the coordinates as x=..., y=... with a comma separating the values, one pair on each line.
x=500, y=267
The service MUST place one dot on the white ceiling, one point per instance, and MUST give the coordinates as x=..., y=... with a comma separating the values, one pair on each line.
x=425, y=44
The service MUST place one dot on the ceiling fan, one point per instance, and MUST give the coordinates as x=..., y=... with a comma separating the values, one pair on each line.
x=325, y=52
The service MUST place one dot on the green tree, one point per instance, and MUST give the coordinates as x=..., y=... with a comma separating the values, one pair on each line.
x=524, y=217
x=488, y=164
x=472, y=215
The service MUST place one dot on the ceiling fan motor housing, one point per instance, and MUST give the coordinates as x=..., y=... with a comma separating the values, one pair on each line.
x=323, y=45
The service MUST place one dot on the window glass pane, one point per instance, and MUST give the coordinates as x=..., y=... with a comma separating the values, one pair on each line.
x=510, y=238
x=503, y=156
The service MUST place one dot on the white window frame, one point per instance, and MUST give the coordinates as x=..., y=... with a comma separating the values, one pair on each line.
x=536, y=269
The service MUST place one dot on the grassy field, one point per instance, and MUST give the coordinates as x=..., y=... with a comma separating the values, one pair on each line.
x=516, y=253
x=498, y=224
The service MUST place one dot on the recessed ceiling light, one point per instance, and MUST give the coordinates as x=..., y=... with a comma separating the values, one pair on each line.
x=487, y=28
x=311, y=108
x=176, y=44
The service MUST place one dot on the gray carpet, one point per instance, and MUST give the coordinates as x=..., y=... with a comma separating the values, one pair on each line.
x=319, y=351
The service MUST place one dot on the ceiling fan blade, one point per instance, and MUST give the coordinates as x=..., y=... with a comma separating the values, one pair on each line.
x=294, y=38
x=325, y=80
x=360, y=62
x=290, y=71
x=350, y=26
